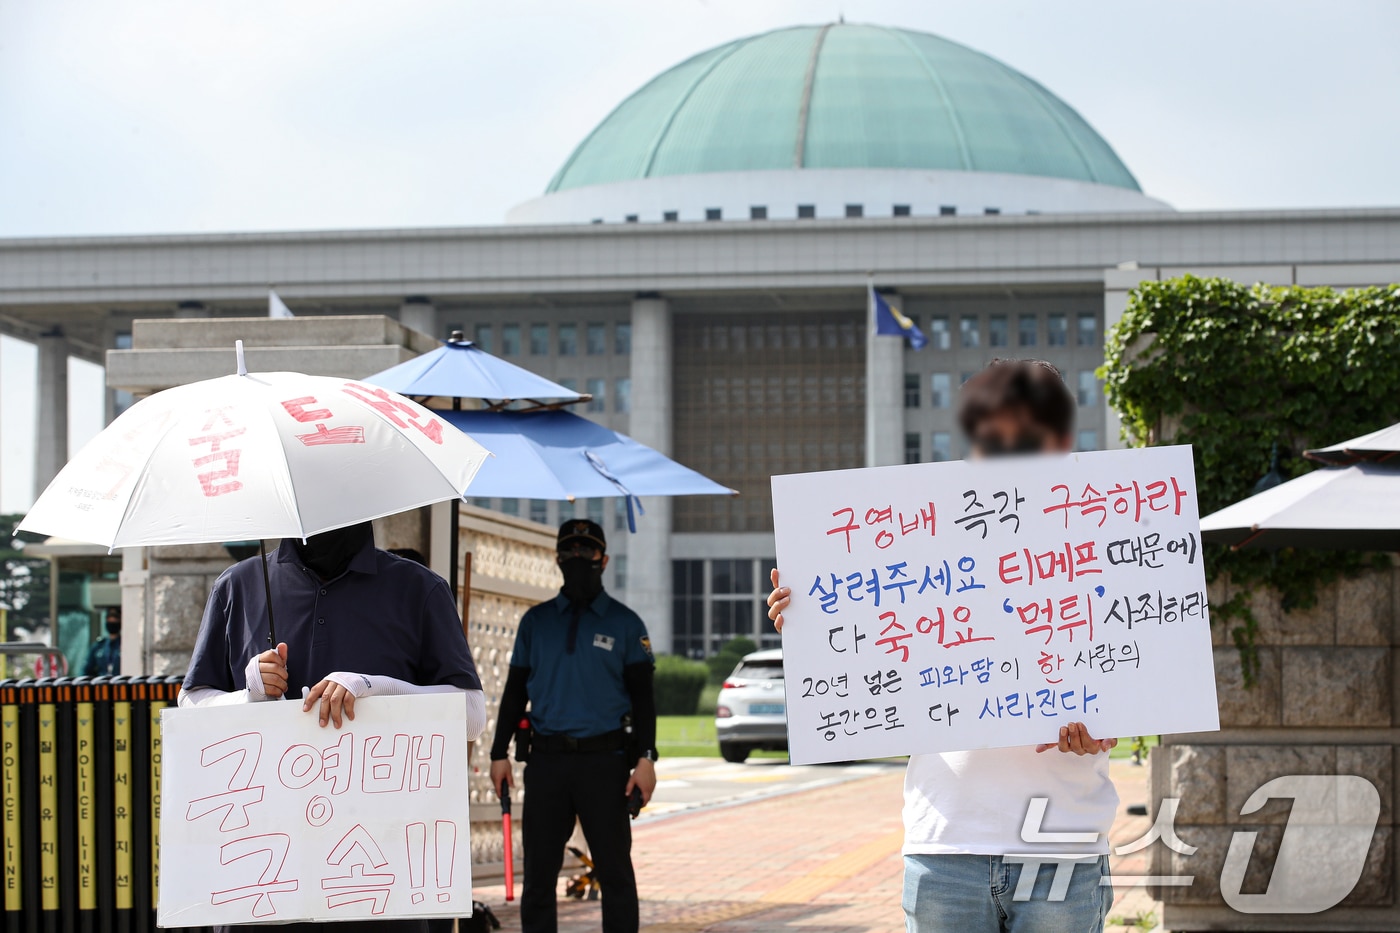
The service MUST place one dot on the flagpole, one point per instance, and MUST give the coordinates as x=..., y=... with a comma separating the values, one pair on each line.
x=872, y=413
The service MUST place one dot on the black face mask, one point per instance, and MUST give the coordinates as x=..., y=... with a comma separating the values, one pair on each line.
x=583, y=579
x=114, y=627
x=329, y=553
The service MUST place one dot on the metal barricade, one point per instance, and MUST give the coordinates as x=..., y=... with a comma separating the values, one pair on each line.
x=80, y=777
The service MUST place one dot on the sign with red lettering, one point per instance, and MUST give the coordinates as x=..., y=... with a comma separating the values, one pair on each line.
x=270, y=818
x=976, y=604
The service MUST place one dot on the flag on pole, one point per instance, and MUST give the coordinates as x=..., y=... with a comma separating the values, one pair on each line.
x=275, y=306
x=889, y=321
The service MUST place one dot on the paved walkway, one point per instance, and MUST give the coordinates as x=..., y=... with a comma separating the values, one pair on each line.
x=816, y=861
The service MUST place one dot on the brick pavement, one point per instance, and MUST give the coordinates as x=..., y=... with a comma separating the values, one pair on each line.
x=817, y=861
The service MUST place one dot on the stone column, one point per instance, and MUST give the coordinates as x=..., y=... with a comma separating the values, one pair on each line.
x=419, y=314
x=51, y=436
x=884, y=395
x=649, y=550
x=1117, y=282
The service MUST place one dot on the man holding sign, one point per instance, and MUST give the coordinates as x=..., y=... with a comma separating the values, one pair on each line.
x=968, y=838
x=358, y=622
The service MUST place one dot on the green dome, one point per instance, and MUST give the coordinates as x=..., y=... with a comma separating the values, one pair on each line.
x=842, y=96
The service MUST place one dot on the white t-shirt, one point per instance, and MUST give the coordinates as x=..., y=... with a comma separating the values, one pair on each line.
x=975, y=802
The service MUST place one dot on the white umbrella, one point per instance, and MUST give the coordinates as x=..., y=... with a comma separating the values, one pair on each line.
x=1379, y=446
x=255, y=455
x=1355, y=508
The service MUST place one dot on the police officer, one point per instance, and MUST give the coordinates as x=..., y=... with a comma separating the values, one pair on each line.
x=583, y=662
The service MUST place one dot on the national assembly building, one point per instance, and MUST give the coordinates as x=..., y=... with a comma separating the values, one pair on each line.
x=700, y=264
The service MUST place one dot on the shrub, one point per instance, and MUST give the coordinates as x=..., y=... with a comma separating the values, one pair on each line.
x=678, y=685
x=1250, y=376
x=721, y=665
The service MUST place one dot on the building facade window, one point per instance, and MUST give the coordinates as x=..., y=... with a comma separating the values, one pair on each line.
x=618, y=566
x=510, y=506
x=796, y=377
x=991, y=211
x=942, y=448
x=806, y=211
x=569, y=383
x=1056, y=330
x=913, y=447
x=715, y=601
x=1027, y=326
x=539, y=511
x=947, y=210
x=670, y=216
x=595, y=511
x=622, y=339
x=620, y=514
x=596, y=339
x=901, y=210
x=482, y=337
x=1088, y=330
x=623, y=402
x=940, y=390
x=855, y=210
x=568, y=340
x=598, y=388
x=714, y=213
x=1088, y=393
x=970, y=331
x=758, y=212
x=630, y=218
x=964, y=376
x=911, y=390
x=539, y=339
x=998, y=334
x=1087, y=440
x=938, y=333
x=510, y=340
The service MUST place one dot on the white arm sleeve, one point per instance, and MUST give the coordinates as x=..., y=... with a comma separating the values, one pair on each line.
x=378, y=685
x=252, y=676
x=210, y=696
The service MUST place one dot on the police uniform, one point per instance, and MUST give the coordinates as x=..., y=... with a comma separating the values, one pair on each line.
x=583, y=661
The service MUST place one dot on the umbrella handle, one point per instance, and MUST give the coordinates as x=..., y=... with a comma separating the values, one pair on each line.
x=267, y=592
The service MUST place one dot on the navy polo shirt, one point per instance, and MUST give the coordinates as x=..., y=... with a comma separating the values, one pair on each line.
x=384, y=615
x=580, y=694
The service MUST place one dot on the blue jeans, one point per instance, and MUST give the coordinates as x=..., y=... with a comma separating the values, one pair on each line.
x=979, y=894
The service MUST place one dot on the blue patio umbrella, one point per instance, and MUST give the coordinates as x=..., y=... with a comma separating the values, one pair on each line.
x=559, y=455
x=460, y=369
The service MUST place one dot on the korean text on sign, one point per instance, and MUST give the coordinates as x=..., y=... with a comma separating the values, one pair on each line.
x=963, y=605
x=269, y=818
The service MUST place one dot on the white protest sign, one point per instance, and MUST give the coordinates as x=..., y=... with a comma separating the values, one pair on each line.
x=269, y=818
x=950, y=606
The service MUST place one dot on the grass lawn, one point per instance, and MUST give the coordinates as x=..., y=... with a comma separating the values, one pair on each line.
x=694, y=737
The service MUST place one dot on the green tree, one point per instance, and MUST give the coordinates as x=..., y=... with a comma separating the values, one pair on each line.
x=1239, y=372
x=24, y=581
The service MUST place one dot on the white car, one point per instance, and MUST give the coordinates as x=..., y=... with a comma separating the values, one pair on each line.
x=752, y=708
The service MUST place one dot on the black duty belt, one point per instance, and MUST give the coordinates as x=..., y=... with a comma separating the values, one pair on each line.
x=607, y=742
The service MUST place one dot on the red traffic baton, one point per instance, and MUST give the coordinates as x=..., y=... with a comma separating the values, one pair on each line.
x=510, y=847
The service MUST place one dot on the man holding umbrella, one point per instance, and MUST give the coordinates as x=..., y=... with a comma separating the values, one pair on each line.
x=583, y=662
x=354, y=621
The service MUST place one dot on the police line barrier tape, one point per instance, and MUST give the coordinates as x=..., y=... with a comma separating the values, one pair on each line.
x=80, y=780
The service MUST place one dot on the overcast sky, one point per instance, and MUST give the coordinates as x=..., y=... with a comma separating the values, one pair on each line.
x=162, y=116
x=212, y=115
